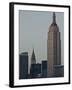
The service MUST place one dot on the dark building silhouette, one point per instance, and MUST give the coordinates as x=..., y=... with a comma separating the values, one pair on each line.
x=23, y=65
x=58, y=71
x=35, y=71
x=53, y=47
x=33, y=58
x=44, y=69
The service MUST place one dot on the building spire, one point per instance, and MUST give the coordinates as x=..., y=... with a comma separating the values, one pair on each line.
x=54, y=18
x=33, y=58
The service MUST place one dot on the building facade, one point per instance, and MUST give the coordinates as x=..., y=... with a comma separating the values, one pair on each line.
x=35, y=71
x=58, y=71
x=44, y=69
x=53, y=47
x=23, y=65
x=33, y=58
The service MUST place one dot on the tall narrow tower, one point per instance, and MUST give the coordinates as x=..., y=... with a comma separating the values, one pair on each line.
x=53, y=46
x=33, y=58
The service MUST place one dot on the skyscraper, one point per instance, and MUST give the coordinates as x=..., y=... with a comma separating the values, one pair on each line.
x=58, y=71
x=35, y=70
x=33, y=58
x=33, y=62
x=44, y=69
x=23, y=65
x=53, y=46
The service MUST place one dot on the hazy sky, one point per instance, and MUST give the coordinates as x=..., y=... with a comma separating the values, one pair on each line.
x=33, y=29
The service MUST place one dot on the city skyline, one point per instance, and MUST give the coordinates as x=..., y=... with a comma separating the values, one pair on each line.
x=50, y=67
x=28, y=39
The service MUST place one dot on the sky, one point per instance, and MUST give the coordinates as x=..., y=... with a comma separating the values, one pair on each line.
x=33, y=32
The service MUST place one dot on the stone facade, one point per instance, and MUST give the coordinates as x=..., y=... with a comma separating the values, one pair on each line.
x=53, y=47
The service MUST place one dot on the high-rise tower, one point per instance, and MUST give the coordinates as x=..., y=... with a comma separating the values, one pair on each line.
x=23, y=65
x=33, y=58
x=53, y=46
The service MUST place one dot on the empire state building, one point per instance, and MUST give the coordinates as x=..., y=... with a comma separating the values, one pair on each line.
x=53, y=46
